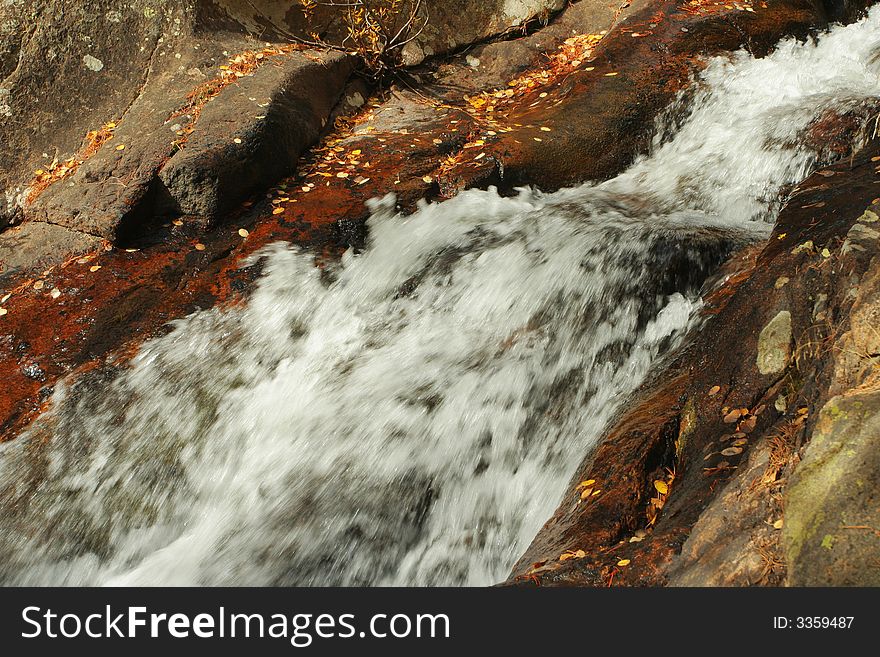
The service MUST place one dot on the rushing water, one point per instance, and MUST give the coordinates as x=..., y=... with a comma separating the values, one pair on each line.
x=413, y=417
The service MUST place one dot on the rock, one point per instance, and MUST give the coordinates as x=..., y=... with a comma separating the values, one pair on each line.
x=725, y=547
x=37, y=246
x=832, y=503
x=451, y=24
x=67, y=68
x=275, y=115
x=774, y=344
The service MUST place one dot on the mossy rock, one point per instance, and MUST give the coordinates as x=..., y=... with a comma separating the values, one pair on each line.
x=832, y=503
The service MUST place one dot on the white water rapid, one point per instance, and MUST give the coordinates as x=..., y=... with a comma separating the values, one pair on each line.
x=414, y=417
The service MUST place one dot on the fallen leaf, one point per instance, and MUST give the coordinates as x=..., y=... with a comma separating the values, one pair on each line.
x=237, y=140
x=39, y=285
x=731, y=451
x=243, y=232
x=748, y=425
x=714, y=390
x=546, y=129
x=121, y=147
x=428, y=179
x=586, y=493
x=661, y=487
x=177, y=222
x=55, y=293
x=3, y=311
x=94, y=268
x=624, y=562
x=200, y=247
x=584, y=484
x=778, y=524
x=278, y=211
x=733, y=416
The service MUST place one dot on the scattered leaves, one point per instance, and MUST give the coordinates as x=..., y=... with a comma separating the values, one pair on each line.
x=572, y=554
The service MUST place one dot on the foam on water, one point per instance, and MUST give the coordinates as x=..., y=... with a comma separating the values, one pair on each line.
x=414, y=417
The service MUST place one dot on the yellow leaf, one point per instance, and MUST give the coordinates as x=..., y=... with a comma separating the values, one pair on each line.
x=94, y=268
x=3, y=311
x=278, y=211
x=588, y=482
x=714, y=390
x=428, y=179
x=121, y=147
x=624, y=562
x=586, y=493
x=357, y=152
x=661, y=487
x=200, y=247
x=778, y=524
x=243, y=232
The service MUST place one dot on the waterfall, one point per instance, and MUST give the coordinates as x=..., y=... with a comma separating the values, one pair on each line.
x=412, y=414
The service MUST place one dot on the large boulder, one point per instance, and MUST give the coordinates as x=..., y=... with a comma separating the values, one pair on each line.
x=832, y=504
x=448, y=24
